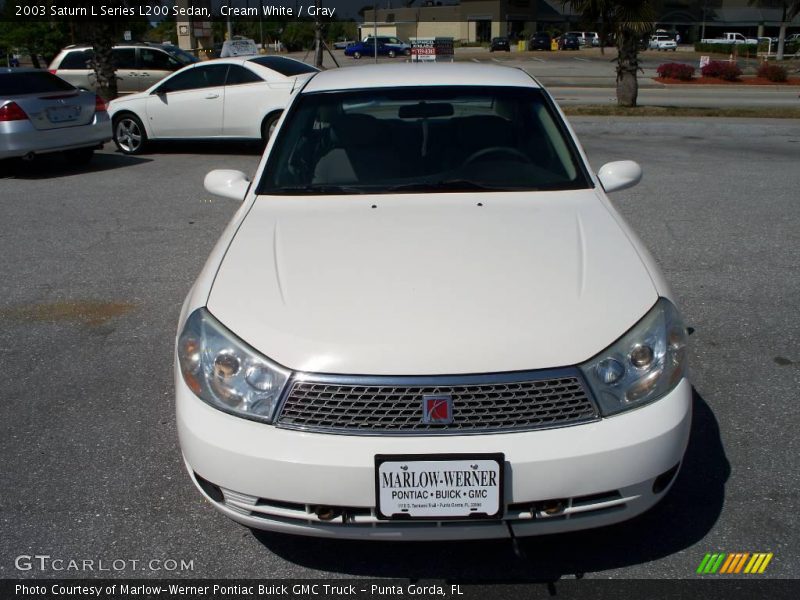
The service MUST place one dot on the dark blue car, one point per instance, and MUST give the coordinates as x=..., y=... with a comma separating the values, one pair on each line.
x=387, y=46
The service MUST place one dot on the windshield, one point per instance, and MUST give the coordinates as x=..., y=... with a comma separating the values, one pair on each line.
x=422, y=139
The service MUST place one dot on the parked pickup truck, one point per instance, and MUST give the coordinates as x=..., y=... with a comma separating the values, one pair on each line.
x=731, y=38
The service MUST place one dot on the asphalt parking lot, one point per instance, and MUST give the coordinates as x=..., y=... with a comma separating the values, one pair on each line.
x=97, y=262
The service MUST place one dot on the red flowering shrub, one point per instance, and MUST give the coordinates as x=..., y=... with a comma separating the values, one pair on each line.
x=675, y=71
x=722, y=70
x=775, y=73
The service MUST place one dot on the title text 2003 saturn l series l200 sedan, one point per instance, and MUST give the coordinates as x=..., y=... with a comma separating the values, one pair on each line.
x=426, y=321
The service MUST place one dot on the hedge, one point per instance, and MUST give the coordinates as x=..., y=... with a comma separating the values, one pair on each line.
x=728, y=71
x=676, y=71
x=772, y=72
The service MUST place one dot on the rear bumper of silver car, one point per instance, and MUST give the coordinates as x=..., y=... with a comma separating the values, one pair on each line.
x=22, y=139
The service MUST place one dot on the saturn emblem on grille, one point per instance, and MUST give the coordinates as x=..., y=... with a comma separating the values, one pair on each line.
x=437, y=409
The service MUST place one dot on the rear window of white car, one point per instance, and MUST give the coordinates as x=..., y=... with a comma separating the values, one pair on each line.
x=284, y=66
x=77, y=59
x=32, y=82
x=423, y=139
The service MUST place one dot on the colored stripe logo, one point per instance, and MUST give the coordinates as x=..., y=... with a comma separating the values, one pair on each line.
x=735, y=563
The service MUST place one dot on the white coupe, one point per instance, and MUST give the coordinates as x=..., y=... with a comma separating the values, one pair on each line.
x=427, y=321
x=230, y=98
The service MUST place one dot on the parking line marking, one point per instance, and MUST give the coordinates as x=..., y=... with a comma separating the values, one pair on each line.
x=539, y=59
x=497, y=61
x=581, y=59
x=475, y=60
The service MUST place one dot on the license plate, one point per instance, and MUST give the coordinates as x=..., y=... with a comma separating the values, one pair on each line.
x=63, y=113
x=439, y=486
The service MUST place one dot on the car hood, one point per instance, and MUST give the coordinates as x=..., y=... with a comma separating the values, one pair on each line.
x=431, y=283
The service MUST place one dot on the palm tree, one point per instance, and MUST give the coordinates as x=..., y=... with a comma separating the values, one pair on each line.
x=790, y=11
x=629, y=20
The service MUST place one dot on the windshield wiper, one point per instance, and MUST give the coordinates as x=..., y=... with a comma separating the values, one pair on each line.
x=449, y=185
x=317, y=189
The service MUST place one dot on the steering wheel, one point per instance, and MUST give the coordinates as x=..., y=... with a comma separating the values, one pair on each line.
x=484, y=152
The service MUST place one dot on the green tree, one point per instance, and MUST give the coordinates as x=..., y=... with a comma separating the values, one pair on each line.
x=298, y=35
x=36, y=38
x=628, y=20
x=163, y=31
x=789, y=11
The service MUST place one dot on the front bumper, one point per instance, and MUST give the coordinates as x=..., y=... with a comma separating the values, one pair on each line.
x=271, y=478
x=20, y=138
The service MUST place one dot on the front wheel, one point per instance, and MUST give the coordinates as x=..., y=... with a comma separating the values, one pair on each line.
x=392, y=54
x=407, y=51
x=129, y=134
x=356, y=55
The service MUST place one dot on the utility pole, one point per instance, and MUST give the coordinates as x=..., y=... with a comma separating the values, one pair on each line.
x=317, y=37
x=703, y=31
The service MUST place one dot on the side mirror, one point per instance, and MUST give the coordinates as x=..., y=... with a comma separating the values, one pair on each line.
x=619, y=175
x=227, y=183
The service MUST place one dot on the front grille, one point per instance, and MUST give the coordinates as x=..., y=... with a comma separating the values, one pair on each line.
x=478, y=405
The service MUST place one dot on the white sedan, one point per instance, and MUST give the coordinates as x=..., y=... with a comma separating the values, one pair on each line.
x=427, y=321
x=662, y=42
x=230, y=98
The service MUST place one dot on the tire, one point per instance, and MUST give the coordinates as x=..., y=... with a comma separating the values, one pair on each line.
x=407, y=51
x=79, y=156
x=392, y=54
x=356, y=55
x=129, y=134
x=268, y=126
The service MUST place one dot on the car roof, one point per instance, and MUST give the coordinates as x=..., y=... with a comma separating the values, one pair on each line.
x=418, y=75
x=122, y=45
x=242, y=60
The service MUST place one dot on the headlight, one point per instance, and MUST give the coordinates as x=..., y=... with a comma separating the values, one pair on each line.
x=643, y=365
x=225, y=372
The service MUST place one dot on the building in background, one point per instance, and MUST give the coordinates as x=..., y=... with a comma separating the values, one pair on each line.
x=481, y=20
x=193, y=34
x=467, y=21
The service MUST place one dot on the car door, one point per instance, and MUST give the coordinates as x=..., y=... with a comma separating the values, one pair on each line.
x=246, y=98
x=125, y=70
x=189, y=104
x=154, y=65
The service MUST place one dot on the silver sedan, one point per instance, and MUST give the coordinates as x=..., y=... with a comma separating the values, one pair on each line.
x=41, y=113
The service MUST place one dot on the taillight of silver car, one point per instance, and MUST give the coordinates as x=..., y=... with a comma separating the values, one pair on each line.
x=12, y=112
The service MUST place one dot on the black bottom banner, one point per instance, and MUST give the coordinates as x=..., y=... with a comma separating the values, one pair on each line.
x=329, y=589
